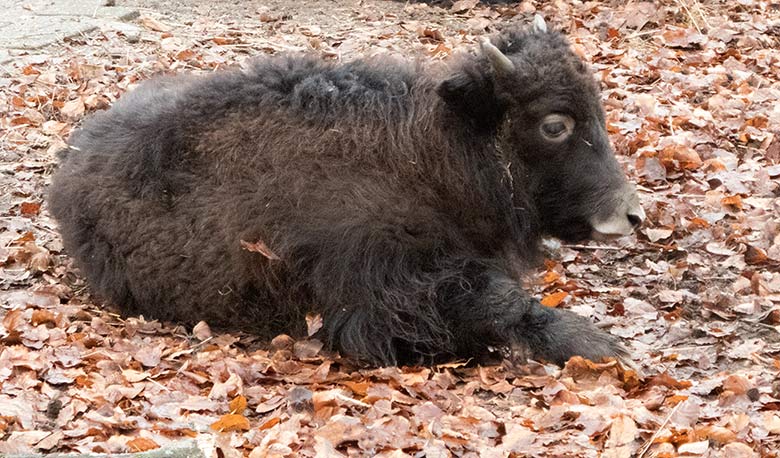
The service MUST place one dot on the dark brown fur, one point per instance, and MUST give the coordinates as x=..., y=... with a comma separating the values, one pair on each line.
x=403, y=200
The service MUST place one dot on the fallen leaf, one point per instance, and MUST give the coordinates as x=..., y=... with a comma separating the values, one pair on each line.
x=309, y=348
x=430, y=35
x=461, y=6
x=719, y=248
x=313, y=323
x=231, y=422
x=260, y=247
x=694, y=448
x=680, y=156
x=683, y=38
x=237, y=405
x=622, y=433
x=201, y=331
x=772, y=423
x=154, y=25
x=718, y=434
x=73, y=109
x=554, y=299
x=270, y=423
x=737, y=384
x=43, y=317
x=755, y=255
x=141, y=444
x=734, y=202
x=655, y=235
x=738, y=450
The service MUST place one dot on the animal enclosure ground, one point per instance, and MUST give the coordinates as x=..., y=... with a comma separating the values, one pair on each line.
x=691, y=90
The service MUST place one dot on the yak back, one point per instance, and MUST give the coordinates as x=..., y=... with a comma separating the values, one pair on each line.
x=315, y=131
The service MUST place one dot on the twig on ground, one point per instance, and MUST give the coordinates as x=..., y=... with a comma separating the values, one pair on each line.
x=593, y=247
x=649, y=442
x=690, y=15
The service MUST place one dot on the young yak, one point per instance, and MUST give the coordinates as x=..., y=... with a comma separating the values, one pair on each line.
x=399, y=200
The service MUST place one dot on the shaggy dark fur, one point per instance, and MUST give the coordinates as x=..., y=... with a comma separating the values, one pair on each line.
x=404, y=200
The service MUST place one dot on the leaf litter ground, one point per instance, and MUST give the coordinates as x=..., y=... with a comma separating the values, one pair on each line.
x=691, y=90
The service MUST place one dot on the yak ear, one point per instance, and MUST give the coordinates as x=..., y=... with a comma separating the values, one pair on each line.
x=471, y=92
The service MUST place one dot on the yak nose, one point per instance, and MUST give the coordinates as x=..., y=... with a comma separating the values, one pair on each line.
x=623, y=218
x=636, y=216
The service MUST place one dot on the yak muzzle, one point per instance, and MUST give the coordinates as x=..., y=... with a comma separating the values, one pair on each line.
x=626, y=215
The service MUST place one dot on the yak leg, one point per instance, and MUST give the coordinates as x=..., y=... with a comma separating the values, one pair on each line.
x=392, y=313
x=493, y=309
x=375, y=300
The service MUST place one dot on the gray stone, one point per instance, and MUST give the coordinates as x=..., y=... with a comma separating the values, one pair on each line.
x=131, y=32
x=32, y=24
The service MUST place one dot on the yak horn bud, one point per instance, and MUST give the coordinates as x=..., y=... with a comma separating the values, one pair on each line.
x=500, y=63
x=539, y=24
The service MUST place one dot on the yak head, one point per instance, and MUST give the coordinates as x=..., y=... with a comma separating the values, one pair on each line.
x=540, y=103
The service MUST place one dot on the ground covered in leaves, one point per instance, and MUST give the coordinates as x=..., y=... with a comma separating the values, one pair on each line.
x=691, y=90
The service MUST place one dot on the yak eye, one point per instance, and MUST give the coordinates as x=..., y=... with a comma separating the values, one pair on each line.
x=556, y=127
x=553, y=129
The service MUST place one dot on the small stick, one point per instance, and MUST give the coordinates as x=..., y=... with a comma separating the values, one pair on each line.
x=597, y=247
x=640, y=34
x=690, y=15
x=349, y=400
x=649, y=442
x=701, y=13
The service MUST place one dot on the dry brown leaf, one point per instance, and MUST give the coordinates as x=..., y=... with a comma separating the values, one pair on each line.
x=738, y=450
x=201, y=331
x=680, y=156
x=622, y=432
x=237, y=405
x=282, y=342
x=260, y=247
x=427, y=34
x=733, y=202
x=37, y=258
x=719, y=248
x=554, y=299
x=73, y=109
x=231, y=422
x=141, y=444
x=30, y=70
x=462, y=6
x=683, y=38
x=359, y=388
x=694, y=448
x=655, y=235
x=270, y=423
x=149, y=355
x=154, y=25
x=666, y=380
x=186, y=54
x=755, y=255
x=313, y=323
x=718, y=434
x=737, y=384
x=223, y=41
x=772, y=422
x=550, y=277
x=309, y=348
x=43, y=317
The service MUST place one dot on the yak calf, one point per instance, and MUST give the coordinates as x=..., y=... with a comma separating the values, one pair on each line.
x=401, y=200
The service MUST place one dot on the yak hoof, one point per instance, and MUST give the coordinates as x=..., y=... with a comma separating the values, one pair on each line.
x=572, y=335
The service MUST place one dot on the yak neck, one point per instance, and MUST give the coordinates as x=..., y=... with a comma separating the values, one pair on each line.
x=471, y=163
